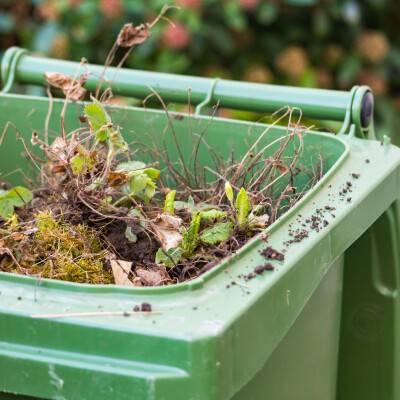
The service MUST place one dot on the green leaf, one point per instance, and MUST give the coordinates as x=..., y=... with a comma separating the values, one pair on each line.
x=15, y=197
x=212, y=215
x=137, y=214
x=138, y=183
x=152, y=172
x=169, y=257
x=242, y=207
x=129, y=166
x=130, y=235
x=98, y=120
x=18, y=196
x=169, y=202
x=96, y=116
x=190, y=236
x=205, y=206
x=102, y=135
x=141, y=185
x=184, y=205
x=149, y=191
x=229, y=191
x=217, y=233
x=77, y=164
x=6, y=209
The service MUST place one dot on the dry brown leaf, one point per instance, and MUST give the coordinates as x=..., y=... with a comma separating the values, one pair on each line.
x=117, y=178
x=169, y=221
x=154, y=276
x=72, y=88
x=168, y=238
x=121, y=271
x=167, y=229
x=260, y=221
x=131, y=35
x=282, y=168
x=56, y=151
x=3, y=249
x=18, y=236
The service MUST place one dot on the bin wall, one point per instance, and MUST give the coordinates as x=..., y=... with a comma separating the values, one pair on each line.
x=302, y=367
x=369, y=350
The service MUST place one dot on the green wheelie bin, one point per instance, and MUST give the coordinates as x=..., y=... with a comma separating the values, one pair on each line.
x=323, y=325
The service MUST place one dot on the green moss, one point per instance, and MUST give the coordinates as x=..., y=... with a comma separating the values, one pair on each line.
x=68, y=252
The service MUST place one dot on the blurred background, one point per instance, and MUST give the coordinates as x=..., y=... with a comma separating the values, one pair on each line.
x=326, y=43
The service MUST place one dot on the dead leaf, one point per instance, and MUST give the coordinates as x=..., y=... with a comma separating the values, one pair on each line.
x=58, y=154
x=131, y=35
x=281, y=167
x=121, y=271
x=169, y=221
x=117, y=178
x=154, y=276
x=137, y=281
x=18, y=236
x=260, y=221
x=61, y=151
x=168, y=238
x=56, y=151
x=167, y=229
x=72, y=88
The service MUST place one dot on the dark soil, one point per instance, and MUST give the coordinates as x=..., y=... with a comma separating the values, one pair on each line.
x=144, y=307
x=142, y=252
x=272, y=254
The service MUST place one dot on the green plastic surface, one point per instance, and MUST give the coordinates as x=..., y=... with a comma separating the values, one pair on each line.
x=205, y=341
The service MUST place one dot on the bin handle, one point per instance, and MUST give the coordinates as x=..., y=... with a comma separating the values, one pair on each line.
x=354, y=107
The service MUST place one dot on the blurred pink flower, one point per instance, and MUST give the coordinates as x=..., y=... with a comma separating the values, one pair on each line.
x=111, y=9
x=176, y=37
x=248, y=5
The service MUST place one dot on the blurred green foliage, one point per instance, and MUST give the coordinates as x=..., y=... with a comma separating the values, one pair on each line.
x=329, y=44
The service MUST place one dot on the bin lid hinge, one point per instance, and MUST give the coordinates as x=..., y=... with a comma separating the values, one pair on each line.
x=359, y=119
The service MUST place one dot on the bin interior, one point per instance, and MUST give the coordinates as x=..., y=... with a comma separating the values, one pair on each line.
x=228, y=138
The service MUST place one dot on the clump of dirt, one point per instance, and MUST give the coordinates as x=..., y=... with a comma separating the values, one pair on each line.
x=144, y=307
x=259, y=270
x=272, y=254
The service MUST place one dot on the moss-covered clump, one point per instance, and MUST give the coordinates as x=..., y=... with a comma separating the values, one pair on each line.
x=60, y=250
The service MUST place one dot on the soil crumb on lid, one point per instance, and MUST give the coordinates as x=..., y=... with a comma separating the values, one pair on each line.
x=272, y=254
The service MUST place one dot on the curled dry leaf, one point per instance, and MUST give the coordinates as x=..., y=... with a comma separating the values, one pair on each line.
x=59, y=153
x=72, y=88
x=153, y=276
x=18, y=236
x=167, y=229
x=56, y=151
x=116, y=178
x=131, y=35
x=260, y=221
x=170, y=221
x=121, y=271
